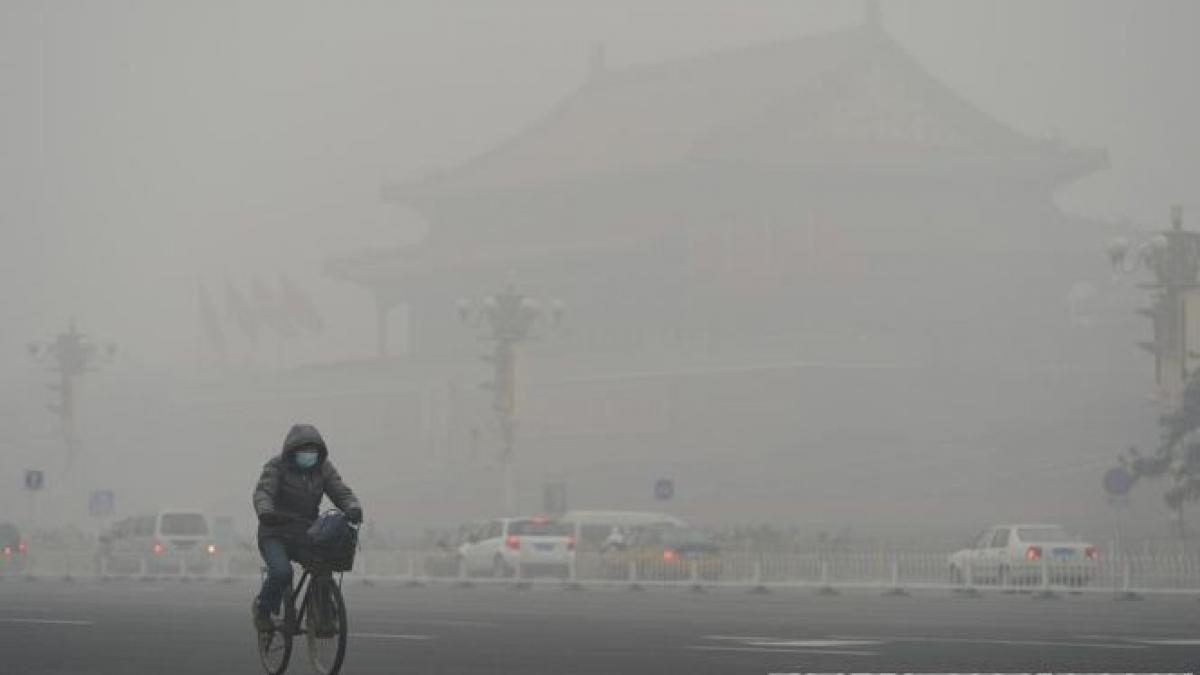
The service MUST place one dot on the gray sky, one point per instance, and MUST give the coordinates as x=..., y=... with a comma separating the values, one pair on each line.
x=149, y=145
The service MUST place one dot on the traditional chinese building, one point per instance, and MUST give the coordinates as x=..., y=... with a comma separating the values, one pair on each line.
x=792, y=265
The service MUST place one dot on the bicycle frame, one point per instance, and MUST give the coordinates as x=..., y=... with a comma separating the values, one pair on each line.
x=308, y=578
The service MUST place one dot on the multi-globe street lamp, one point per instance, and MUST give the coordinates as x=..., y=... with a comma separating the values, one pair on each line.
x=509, y=319
x=70, y=354
x=1173, y=256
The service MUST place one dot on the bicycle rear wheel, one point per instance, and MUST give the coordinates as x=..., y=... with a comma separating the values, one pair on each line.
x=275, y=647
x=325, y=626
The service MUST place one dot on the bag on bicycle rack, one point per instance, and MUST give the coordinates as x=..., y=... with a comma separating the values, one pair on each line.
x=334, y=540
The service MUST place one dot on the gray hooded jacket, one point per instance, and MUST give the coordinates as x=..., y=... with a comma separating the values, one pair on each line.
x=285, y=488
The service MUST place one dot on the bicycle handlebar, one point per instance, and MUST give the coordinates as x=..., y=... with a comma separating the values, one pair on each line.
x=305, y=521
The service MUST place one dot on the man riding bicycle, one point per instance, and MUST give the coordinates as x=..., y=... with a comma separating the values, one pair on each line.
x=287, y=500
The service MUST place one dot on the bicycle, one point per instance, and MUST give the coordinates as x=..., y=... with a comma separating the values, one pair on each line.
x=320, y=616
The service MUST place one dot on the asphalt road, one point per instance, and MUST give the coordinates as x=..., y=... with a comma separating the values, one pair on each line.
x=128, y=627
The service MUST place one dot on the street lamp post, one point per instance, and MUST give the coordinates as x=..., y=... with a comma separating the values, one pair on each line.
x=1173, y=256
x=509, y=318
x=70, y=355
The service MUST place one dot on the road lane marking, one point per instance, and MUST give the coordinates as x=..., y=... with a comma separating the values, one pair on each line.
x=414, y=621
x=986, y=641
x=780, y=650
x=49, y=622
x=788, y=642
x=737, y=638
x=390, y=636
x=1143, y=639
x=793, y=643
x=771, y=645
x=810, y=644
x=452, y=622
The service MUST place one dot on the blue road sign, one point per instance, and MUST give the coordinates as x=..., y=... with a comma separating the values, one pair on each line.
x=1118, y=481
x=664, y=489
x=34, y=479
x=101, y=503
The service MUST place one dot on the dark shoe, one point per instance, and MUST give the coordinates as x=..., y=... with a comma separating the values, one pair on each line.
x=262, y=618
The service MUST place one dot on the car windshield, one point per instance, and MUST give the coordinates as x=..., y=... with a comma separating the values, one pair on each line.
x=184, y=525
x=1042, y=534
x=539, y=528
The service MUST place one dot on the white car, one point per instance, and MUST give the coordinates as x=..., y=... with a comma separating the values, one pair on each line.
x=592, y=528
x=173, y=540
x=1016, y=555
x=504, y=547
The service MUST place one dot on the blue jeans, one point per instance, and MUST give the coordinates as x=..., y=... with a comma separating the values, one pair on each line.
x=278, y=557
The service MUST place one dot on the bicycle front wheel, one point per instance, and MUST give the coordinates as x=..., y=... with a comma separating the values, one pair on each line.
x=275, y=646
x=325, y=626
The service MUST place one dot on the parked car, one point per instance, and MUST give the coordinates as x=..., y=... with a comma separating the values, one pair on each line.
x=13, y=549
x=664, y=551
x=592, y=528
x=168, y=541
x=502, y=546
x=1016, y=555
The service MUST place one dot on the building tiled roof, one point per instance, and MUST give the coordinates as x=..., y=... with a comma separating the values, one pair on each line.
x=848, y=95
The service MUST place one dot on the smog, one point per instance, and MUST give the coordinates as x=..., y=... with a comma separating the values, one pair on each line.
x=874, y=309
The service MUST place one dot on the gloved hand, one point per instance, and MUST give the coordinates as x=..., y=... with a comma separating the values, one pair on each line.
x=354, y=515
x=271, y=519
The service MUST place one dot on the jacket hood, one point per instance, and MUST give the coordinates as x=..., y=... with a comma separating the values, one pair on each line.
x=301, y=435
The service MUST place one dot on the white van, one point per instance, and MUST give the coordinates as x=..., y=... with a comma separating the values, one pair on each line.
x=591, y=528
x=172, y=540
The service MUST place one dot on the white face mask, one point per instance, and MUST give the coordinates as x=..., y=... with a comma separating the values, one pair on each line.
x=307, y=459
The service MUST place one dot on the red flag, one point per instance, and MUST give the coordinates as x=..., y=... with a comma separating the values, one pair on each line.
x=240, y=312
x=270, y=310
x=299, y=306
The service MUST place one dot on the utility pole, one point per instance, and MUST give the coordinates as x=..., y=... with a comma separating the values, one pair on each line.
x=70, y=355
x=509, y=317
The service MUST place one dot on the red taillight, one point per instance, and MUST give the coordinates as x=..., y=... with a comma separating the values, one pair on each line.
x=158, y=548
x=1033, y=553
x=7, y=551
x=512, y=542
x=668, y=554
x=571, y=543
x=1091, y=553
x=21, y=547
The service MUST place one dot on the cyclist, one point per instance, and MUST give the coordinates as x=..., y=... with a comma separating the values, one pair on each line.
x=287, y=500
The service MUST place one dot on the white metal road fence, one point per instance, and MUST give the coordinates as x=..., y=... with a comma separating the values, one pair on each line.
x=1125, y=575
